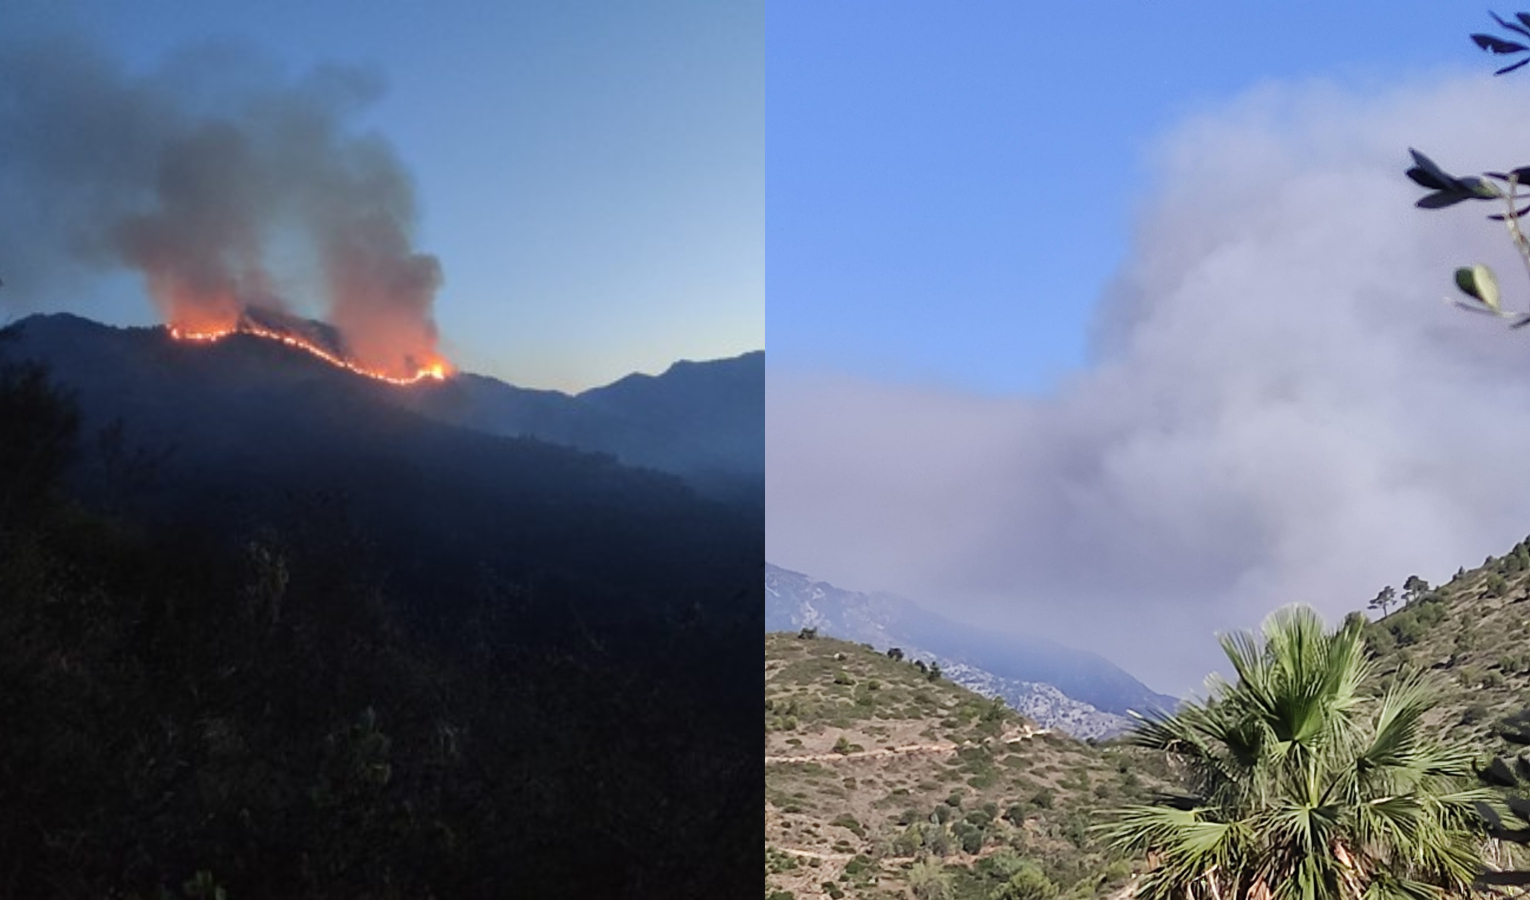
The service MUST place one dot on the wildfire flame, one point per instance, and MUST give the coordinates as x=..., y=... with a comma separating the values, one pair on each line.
x=435, y=371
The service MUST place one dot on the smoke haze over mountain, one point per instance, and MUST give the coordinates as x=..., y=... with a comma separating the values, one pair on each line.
x=1279, y=408
x=225, y=183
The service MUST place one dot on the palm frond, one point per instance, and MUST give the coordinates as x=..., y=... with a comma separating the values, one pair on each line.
x=1304, y=783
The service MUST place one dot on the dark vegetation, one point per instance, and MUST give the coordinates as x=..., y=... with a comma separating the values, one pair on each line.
x=717, y=406
x=313, y=646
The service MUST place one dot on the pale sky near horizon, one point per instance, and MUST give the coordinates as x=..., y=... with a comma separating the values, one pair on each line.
x=590, y=174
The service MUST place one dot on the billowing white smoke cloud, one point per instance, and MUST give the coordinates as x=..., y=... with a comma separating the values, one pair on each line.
x=1281, y=407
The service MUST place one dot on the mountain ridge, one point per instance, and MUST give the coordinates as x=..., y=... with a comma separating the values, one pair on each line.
x=1057, y=686
x=243, y=425
x=701, y=420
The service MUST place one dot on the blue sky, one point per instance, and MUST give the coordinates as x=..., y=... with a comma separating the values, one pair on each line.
x=590, y=174
x=1116, y=324
x=950, y=188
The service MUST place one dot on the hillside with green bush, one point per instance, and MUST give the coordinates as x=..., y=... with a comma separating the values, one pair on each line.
x=1473, y=633
x=885, y=780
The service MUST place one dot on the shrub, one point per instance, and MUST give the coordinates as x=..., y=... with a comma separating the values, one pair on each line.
x=1406, y=628
x=994, y=712
x=1029, y=883
x=929, y=881
x=972, y=840
x=845, y=820
x=1116, y=872
x=938, y=839
x=1430, y=610
x=908, y=843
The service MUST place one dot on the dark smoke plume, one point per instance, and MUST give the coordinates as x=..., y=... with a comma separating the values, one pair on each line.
x=227, y=186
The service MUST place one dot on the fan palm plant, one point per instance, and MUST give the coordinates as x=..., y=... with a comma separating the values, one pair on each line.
x=1305, y=780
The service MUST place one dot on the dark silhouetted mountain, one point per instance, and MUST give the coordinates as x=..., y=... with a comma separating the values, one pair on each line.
x=248, y=433
x=266, y=630
x=703, y=421
x=999, y=663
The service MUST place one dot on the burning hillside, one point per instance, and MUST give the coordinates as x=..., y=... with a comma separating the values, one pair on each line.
x=313, y=338
x=225, y=194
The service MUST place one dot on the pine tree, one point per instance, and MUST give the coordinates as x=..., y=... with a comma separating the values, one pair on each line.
x=1384, y=600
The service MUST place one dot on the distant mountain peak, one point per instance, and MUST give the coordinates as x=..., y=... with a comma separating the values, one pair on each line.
x=1074, y=690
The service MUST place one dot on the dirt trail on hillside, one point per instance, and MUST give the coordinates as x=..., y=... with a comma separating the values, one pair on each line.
x=880, y=753
x=815, y=854
x=885, y=752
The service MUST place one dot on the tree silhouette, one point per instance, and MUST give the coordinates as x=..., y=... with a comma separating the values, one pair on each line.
x=1384, y=600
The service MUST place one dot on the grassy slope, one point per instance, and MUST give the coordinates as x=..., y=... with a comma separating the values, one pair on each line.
x=866, y=819
x=860, y=820
x=1474, y=635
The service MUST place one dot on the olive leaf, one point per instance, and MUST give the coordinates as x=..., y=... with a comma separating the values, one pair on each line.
x=1478, y=281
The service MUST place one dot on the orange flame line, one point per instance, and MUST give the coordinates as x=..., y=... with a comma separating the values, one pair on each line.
x=435, y=371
